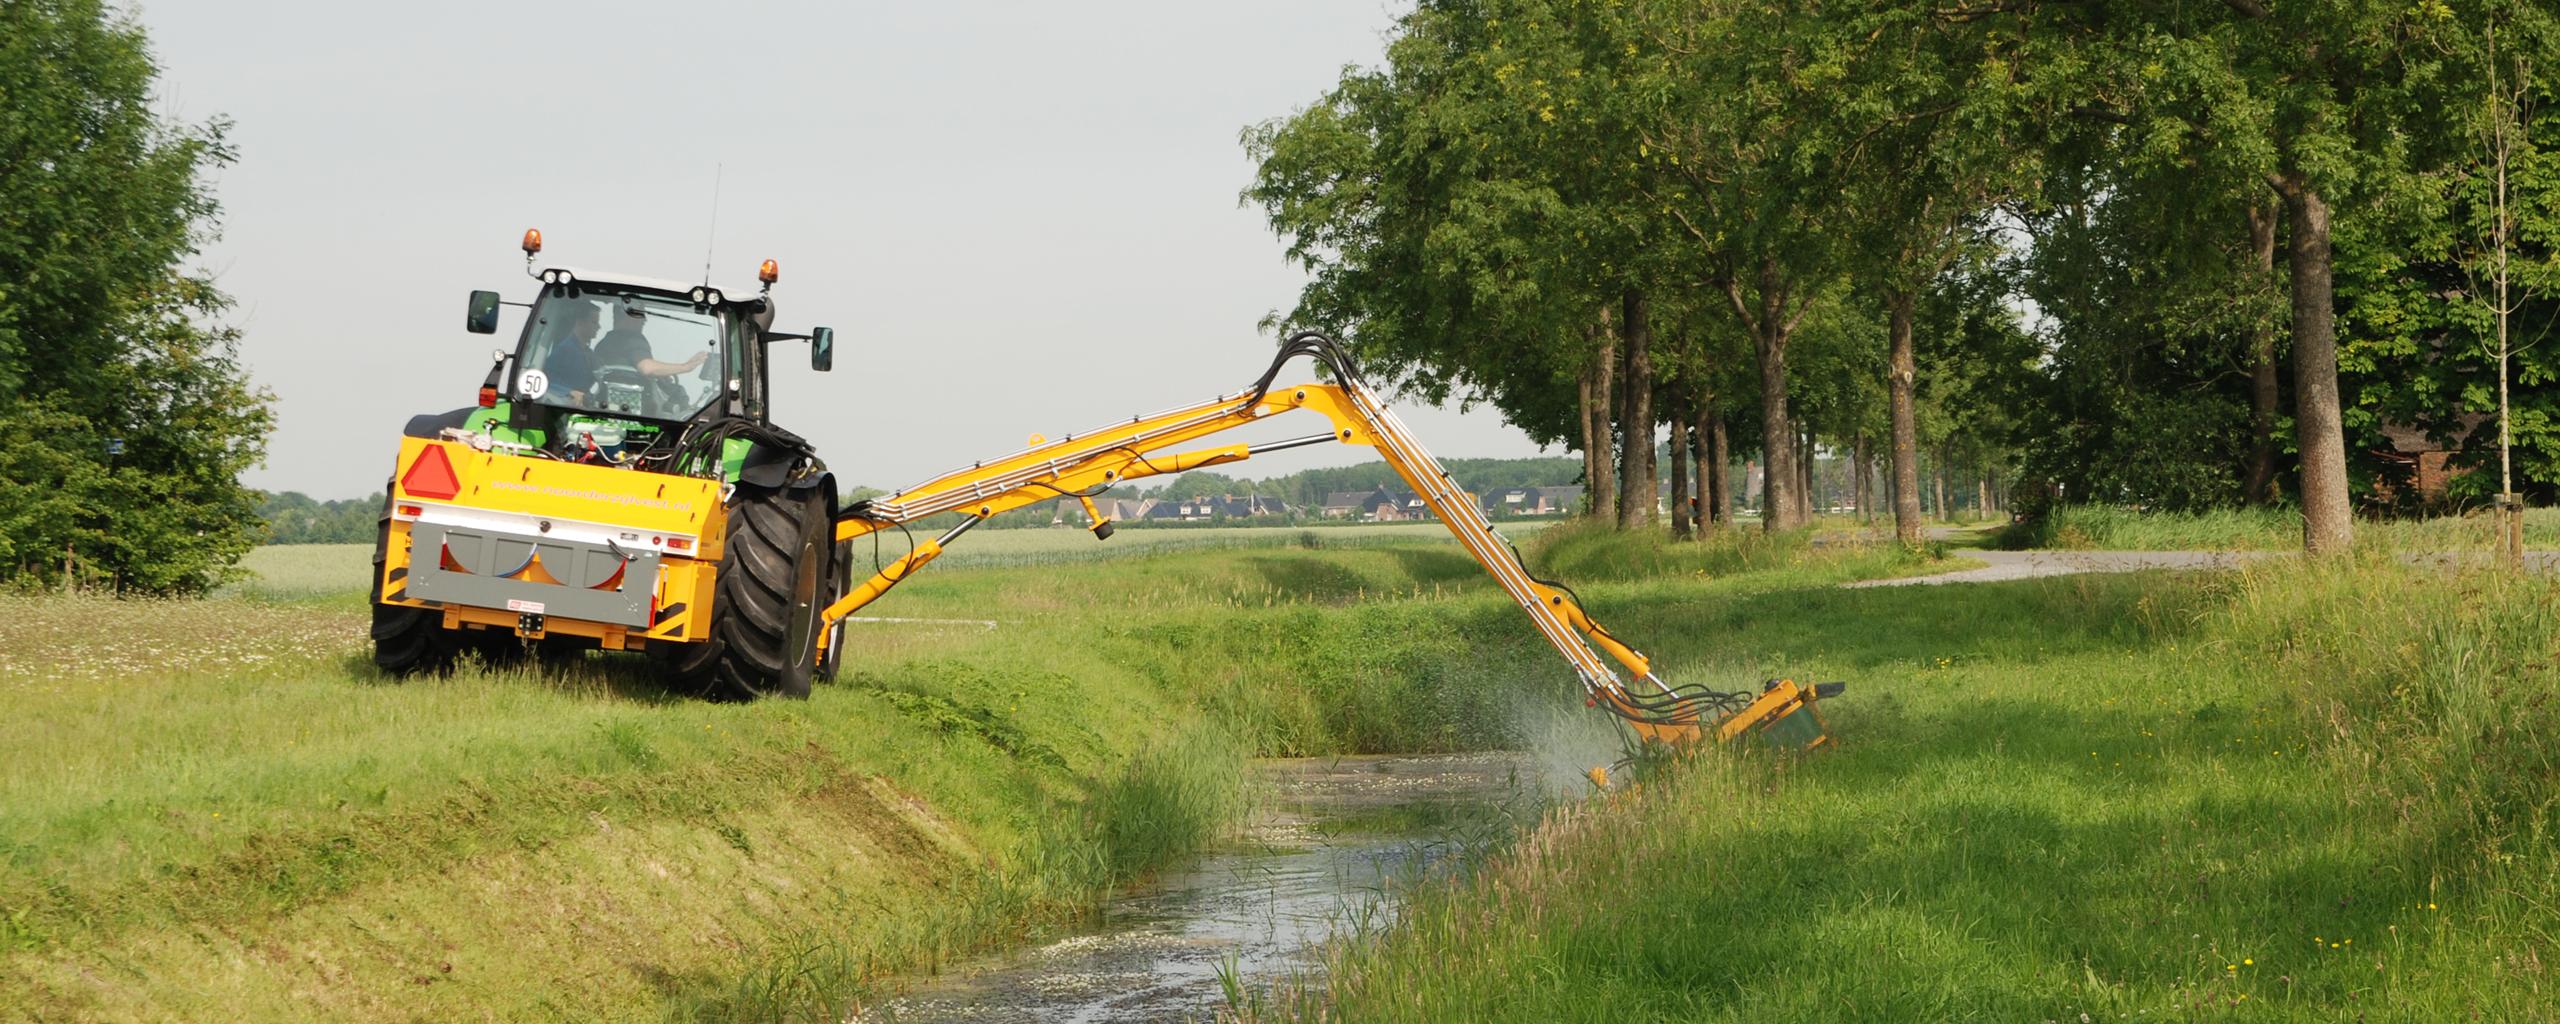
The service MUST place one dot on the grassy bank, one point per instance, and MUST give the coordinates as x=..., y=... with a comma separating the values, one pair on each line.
x=2101, y=527
x=2307, y=793
x=216, y=810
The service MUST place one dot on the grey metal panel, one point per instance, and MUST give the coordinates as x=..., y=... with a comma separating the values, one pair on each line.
x=487, y=552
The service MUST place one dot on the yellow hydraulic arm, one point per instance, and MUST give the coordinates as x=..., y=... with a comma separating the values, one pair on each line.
x=1080, y=465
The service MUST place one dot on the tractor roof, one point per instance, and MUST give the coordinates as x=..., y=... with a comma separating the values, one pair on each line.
x=610, y=279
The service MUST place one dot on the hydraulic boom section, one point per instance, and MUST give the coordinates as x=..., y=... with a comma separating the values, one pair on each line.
x=1085, y=464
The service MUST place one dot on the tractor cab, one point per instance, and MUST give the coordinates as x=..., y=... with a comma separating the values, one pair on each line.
x=610, y=367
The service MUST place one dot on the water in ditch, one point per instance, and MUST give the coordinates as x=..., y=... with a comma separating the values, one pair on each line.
x=1336, y=840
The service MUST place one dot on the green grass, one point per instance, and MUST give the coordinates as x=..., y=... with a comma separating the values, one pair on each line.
x=2102, y=527
x=2298, y=793
x=215, y=809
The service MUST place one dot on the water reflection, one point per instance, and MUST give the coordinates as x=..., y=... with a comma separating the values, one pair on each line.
x=1341, y=835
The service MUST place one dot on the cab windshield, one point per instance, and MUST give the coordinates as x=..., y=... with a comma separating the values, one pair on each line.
x=634, y=354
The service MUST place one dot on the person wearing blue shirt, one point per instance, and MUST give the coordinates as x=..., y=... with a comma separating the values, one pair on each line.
x=571, y=366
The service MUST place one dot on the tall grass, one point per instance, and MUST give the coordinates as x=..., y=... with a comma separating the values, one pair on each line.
x=2297, y=793
x=2105, y=527
x=1585, y=549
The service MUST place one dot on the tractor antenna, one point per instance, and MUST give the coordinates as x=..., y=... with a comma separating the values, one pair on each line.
x=708, y=243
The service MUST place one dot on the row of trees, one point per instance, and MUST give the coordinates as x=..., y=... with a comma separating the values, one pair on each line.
x=129, y=417
x=2160, y=252
x=293, y=517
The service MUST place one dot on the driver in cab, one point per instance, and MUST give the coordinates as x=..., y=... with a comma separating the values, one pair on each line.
x=572, y=364
x=624, y=345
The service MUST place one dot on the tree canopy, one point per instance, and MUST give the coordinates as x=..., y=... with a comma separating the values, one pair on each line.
x=130, y=416
x=2162, y=254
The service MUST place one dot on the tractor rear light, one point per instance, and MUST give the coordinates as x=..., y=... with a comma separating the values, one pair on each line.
x=488, y=397
x=679, y=544
x=431, y=476
x=412, y=510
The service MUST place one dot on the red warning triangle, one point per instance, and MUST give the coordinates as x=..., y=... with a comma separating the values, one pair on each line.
x=431, y=476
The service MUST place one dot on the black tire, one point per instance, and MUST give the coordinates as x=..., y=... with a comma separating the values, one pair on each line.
x=764, y=635
x=841, y=578
x=406, y=641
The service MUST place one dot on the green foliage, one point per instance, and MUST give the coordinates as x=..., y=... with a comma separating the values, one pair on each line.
x=1470, y=208
x=103, y=340
x=292, y=517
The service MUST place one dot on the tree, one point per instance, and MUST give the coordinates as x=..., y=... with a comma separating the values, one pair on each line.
x=1939, y=125
x=1728, y=100
x=146, y=416
x=1463, y=220
x=2335, y=100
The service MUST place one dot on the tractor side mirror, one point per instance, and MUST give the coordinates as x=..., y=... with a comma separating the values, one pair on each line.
x=822, y=349
x=484, y=313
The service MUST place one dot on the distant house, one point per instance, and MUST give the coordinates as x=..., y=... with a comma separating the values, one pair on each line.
x=1509, y=501
x=1180, y=510
x=1531, y=501
x=1234, y=507
x=2417, y=461
x=1202, y=508
x=1070, y=512
x=1342, y=504
x=1378, y=505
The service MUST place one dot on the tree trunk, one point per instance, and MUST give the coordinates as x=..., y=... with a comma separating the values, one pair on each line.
x=1804, y=476
x=1902, y=372
x=1635, y=419
x=1720, y=483
x=2258, y=480
x=1704, y=467
x=1857, y=476
x=2328, y=526
x=1680, y=509
x=1600, y=463
x=1769, y=331
x=1938, y=482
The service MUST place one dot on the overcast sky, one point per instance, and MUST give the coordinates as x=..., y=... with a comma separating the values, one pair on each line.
x=1018, y=218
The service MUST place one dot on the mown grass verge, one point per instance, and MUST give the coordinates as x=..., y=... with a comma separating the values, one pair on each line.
x=2301, y=793
x=216, y=810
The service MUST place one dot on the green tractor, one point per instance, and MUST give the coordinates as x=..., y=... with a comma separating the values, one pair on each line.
x=619, y=485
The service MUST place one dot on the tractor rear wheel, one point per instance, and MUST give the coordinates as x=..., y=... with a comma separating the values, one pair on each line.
x=841, y=580
x=772, y=585
x=406, y=641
